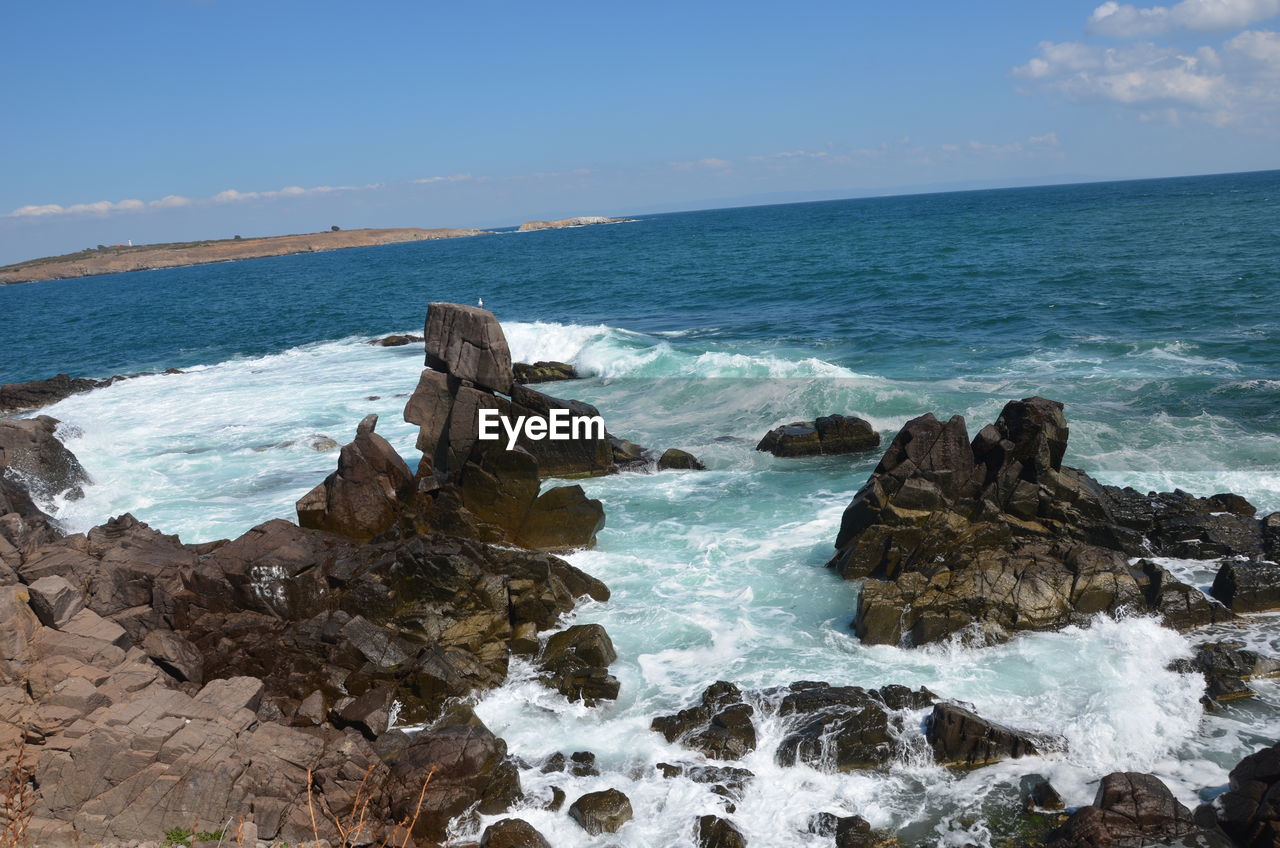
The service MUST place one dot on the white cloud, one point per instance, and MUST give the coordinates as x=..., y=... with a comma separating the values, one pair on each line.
x=710, y=163
x=1121, y=20
x=173, y=201
x=453, y=178
x=790, y=154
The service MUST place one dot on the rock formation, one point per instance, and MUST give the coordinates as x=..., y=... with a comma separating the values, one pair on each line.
x=561, y=223
x=998, y=534
x=157, y=683
x=32, y=455
x=1249, y=811
x=842, y=728
x=1133, y=810
x=826, y=435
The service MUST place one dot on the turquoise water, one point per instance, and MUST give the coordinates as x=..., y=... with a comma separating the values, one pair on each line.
x=1147, y=307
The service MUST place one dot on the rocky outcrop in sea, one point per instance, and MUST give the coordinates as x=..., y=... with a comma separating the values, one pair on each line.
x=995, y=535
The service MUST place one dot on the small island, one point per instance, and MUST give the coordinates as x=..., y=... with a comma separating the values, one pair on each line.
x=583, y=221
x=119, y=258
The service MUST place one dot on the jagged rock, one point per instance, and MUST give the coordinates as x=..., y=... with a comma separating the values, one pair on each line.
x=32, y=456
x=960, y=737
x=719, y=726
x=830, y=434
x=1248, y=586
x=578, y=764
x=363, y=497
x=1271, y=536
x=470, y=769
x=396, y=340
x=512, y=833
x=37, y=393
x=673, y=459
x=54, y=600
x=601, y=812
x=467, y=342
x=588, y=455
x=576, y=662
x=1131, y=810
x=727, y=781
x=175, y=654
x=997, y=535
x=844, y=727
x=715, y=832
x=543, y=372
x=1226, y=666
x=1250, y=808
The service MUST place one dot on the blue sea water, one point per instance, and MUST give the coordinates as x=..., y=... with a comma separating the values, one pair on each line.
x=1147, y=307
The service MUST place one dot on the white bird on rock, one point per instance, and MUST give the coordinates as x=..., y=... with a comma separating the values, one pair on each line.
x=480, y=302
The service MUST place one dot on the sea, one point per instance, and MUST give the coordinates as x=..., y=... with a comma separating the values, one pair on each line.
x=1149, y=308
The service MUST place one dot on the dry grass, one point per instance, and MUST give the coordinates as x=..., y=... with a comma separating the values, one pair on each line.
x=351, y=828
x=17, y=801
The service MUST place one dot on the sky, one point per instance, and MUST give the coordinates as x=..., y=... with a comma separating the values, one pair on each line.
x=162, y=120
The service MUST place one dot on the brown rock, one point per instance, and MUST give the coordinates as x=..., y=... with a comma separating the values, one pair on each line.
x=830, y=434
x=363, y=497
x=468, y=343
x=31, y=450
x=54, y=600
x=601, y=812
x=543, y=372
x=960, y=737
x=512, y=833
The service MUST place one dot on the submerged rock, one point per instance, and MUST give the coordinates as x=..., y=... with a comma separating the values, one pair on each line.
x=960, y=737
x=674, y=459
x=396, y=340
x=543, y=372
x=1226, y=667
x=997, y=535
x=844, y=727
x=830, y=434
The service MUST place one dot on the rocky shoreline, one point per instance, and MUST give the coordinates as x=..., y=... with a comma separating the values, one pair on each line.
x=315, y=681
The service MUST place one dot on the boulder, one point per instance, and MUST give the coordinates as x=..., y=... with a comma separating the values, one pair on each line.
x=719, y=726
x=1248, y=585
x=32, y=455
x=543, y=372
x=960, y=737
x=468, y=343
x=601, y=812
x=54, y=600
x=856, y=832
x=177, y=656
x=365, y=495
x=715, y=832
x=1249, y=811
x=512, y=833
x=996, y=535
x=1131, y=810
x=468, y=767
x=830, y=434
x=576, y=662
x=674, y=459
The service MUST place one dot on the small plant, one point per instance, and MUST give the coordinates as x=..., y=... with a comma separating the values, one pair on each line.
x=177, y=836
x=351, y=830
x=334, y=228
x=17, y=801
x=237, y=238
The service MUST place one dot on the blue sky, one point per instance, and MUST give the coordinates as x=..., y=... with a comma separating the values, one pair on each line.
x=171, y=120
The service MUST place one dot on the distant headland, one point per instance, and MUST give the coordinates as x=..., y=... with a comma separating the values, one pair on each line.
x=119, y=258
